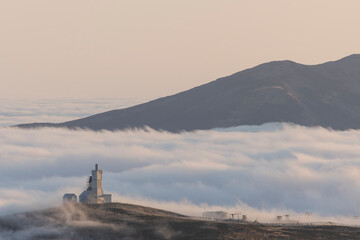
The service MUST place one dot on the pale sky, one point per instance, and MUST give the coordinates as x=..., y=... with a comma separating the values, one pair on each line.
x=149, y=49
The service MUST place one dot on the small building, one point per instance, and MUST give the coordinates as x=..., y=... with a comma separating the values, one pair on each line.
x=69, y=198
x=94, y=192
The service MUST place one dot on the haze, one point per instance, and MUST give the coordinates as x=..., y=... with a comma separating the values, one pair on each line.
x=149, y=49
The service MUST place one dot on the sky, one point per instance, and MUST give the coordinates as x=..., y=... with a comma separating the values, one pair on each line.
x=150, y=49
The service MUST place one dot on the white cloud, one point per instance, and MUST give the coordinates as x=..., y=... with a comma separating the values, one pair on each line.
x=54, y=224
x=20, y=111
x=269, y=168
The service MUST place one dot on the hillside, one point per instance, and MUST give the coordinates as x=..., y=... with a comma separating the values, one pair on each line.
x=125, y=221
x=326, y=95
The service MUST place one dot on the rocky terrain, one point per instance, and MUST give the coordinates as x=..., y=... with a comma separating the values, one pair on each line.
x=125, y=221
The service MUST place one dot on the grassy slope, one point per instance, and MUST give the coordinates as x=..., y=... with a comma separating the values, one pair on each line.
x=125, y=221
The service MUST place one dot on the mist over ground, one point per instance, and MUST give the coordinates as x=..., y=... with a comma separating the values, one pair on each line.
x=260, y=170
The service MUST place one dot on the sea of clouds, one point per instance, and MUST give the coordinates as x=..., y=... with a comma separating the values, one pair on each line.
x=261, y=171
x=17, y=111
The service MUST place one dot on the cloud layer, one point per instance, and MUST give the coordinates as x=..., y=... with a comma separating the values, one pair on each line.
x=19, y=111
x=274, y=168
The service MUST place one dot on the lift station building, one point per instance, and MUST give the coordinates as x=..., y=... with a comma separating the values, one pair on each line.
x=94, y=192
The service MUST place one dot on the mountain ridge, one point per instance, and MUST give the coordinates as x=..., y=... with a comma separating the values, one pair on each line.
x=326, y=95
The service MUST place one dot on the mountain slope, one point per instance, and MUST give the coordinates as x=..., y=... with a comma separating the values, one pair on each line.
x=325, y=95
x=126, y=221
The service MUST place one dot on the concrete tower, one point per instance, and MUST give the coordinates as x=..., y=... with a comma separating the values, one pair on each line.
x=97, y=181
x=94, y=192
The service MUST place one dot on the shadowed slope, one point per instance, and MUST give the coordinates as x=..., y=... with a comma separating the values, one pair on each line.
x=325, y=95
x=126, y=221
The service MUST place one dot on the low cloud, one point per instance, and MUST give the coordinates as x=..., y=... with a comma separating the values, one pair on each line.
x=59, y=223
x=272, y=169
x=13, y=112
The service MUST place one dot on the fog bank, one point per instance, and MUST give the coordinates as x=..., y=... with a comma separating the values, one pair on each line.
x=274, y=167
